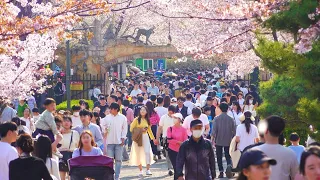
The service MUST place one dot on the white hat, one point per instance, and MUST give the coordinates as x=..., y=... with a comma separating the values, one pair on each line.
x=178, y=115
x=197, y=105
x=125, y=81
x=174, y=99
x=242, y=117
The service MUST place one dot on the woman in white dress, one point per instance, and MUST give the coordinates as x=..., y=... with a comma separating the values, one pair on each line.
x=28, y=120
x=142, y=155
x=246, y=133
x=250, y=105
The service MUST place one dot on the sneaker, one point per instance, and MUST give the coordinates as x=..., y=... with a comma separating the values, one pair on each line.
x=221, y=175
x=148, y=173
x=229, y=173
x=154, y=157
x=141, y=174
x=170, y=173
x=159, y=157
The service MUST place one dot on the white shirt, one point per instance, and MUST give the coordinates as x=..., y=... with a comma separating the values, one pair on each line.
x=176, y=84
x=116, y=127
x=287, y=163
x=203, y=99
x=76, y=121
x=235, y=116
x=245, y=138
x=244, y=91
x=29, y=123
x=241, y=101
x=135, y=92
x=189, y=105
x=65, y=142
x=165, y=121
x=96, y=92
x=53, y=167
x=8, y=153
x=161, y=110
x=188, y=119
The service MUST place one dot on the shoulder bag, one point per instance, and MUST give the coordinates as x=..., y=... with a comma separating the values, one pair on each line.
x=63, y=162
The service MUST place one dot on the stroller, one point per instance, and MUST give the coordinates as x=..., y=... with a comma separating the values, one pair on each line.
x=91, y=168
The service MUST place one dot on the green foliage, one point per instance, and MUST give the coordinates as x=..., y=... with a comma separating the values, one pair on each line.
x=63, y=105
x=302, y=132
x=294, y=18
x=277, y=57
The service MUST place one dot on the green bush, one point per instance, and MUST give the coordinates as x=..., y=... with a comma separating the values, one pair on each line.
x=302, y=132
x=63, y=105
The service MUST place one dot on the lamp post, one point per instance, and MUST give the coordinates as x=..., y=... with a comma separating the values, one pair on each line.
x=68, y=74
x=111, y=70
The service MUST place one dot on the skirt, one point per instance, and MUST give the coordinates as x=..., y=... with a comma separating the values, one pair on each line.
x=141, y=155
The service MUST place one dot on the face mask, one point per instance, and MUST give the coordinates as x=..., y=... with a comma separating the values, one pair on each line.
x=197, y=133
x=76, y=113
x=250, y=101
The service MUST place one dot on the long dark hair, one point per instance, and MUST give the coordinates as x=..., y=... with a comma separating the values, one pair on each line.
x=150, y=107
x=43, y=148
x=236, y=103
x=166, y=101
x=312, y=150
x=242, y=176
x=247, y=121
x=147, y=115
x=248, y=98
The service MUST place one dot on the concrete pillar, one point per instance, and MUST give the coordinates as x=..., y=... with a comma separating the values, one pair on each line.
x=124, y=70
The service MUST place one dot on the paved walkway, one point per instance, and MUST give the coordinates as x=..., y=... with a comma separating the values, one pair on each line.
x=159, y=171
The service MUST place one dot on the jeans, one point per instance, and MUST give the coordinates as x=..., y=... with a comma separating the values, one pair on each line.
x=153, y=146
x=167, y=158
x=219, y=156
x=129, y=137
x=173, y=158
x=115, y=151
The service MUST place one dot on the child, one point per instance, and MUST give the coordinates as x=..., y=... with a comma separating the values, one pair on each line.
x=46, y=124
x=298, y=149
x=207, y=111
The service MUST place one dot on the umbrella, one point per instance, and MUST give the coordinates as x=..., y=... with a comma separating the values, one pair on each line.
x=158, y=73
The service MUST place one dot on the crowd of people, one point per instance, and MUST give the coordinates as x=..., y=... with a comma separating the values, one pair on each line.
x=191, y=120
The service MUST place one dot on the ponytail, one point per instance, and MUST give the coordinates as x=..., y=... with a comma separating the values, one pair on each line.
x=247, y=122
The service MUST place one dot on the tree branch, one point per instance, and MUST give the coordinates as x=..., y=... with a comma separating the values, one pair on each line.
x=130, y=7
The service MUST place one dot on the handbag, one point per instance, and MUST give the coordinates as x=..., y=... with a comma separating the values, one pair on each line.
x=63, y=162
x=234, y=152
x=166, y=143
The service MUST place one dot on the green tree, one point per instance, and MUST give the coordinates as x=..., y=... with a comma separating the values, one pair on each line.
x=294, y=92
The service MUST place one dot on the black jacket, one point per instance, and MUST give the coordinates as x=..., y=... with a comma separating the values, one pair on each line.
x=184, y=111
x=198, y=158
x=32, y=168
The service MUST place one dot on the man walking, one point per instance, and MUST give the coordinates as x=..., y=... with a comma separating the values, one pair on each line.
x=8, y=133
x=115, y=128
x=197, y=155
x=287, y=163
x=224, y=129
x=165, y=122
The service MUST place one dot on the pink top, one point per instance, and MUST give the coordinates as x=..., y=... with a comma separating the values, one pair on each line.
x=154, y=119
x=130, y=115
x=179, y=135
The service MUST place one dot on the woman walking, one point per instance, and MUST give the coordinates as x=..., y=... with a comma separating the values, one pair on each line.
x=26, y=166
x=68, y=144
x=235, y=112
x=246, y=133
x=154, y=121
x=176, y=135
x=141, y=155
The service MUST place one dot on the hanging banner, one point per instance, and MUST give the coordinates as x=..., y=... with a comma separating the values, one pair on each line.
x=76, y=86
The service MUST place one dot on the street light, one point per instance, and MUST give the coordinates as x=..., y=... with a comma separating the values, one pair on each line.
x=111, y=70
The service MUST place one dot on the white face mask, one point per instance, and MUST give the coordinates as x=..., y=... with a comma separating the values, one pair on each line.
x=197, y=133
x=250, y=101
x=76, y=113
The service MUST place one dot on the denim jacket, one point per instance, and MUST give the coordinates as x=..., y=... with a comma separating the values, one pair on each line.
x=198, y=158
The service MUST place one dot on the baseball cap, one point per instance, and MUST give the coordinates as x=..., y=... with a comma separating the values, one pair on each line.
x=254, y=157
x=178, y=115
x=195, y=123
x=125, y=81
x=174, y=100
x=197, y=105
x=102, y=98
